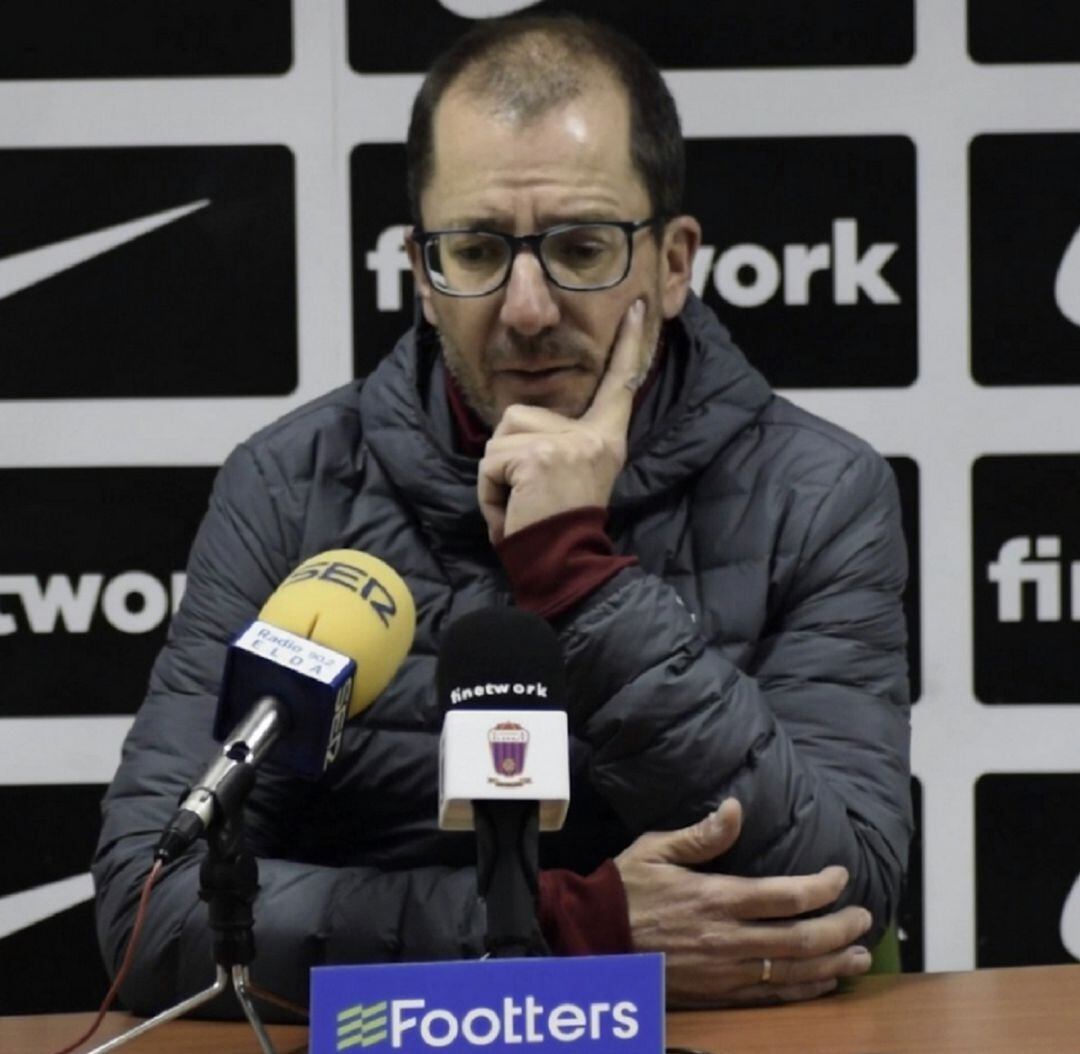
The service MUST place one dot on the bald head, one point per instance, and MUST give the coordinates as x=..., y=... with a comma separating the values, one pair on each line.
x=524, y=79
x=520, y=69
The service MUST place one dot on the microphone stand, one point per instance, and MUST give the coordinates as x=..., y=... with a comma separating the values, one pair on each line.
x=229, y=881
x=507, y=876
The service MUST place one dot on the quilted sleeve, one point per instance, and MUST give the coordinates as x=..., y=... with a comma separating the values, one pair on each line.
x=810, y=732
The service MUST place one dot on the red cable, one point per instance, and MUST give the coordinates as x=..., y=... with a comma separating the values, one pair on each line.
x=129, y=955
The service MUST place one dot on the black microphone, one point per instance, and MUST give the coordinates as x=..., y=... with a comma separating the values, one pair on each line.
x=504, y=760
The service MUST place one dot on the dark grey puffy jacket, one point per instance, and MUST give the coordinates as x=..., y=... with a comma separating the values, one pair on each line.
x=757, y=651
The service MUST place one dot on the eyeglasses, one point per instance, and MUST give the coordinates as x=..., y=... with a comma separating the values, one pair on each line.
x=581, y=257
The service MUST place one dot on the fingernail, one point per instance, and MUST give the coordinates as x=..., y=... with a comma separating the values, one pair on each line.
x=869, y=921
x=639, y=307
x=860, y=958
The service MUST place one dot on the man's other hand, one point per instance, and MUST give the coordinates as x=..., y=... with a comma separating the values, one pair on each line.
x=539, y=463
x=718, y=931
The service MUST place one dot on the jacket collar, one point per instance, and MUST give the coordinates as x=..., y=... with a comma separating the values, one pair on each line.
x=705, y=394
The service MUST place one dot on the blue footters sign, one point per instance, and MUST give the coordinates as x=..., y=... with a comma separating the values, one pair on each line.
x=610, y=1004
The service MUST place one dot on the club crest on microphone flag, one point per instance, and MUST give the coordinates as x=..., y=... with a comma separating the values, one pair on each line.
x=508, y=741
x=484, y=755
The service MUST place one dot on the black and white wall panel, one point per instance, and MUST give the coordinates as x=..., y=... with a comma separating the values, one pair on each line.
x=201, y=208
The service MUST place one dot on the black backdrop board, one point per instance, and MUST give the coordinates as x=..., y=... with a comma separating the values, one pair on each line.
x=1026, y=578
x=906, y=471
x=680, y=34
x=1027, y=853
x=87, y=588
x=1007, y=31
x=809, y=254
x=1025, y=258
x=51, y=963
x=382, y=285
x=910, y=917
x=42, y=39
x=196, y=296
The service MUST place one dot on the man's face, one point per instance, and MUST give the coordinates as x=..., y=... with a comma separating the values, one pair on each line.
x=531, y=342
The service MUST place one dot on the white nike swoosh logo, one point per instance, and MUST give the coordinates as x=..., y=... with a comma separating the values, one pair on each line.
x=1070, y=921
x=25, y=269
x=486, y=8
x=1067, y=282
x=20, y=910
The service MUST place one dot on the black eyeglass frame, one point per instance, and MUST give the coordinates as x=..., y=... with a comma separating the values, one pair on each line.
x=423, y=238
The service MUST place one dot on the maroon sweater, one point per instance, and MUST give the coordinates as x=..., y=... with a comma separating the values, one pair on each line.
x=551, y=566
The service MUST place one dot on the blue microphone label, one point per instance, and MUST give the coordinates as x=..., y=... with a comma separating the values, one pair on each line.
x=611, y=1004
x=306, y=657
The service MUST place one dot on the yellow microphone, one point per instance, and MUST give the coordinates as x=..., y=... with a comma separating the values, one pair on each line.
x=326, y=643
x=354, y=603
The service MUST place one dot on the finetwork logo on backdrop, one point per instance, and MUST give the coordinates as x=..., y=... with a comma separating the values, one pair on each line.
x=680, y=34
x=83, y=612
x=130, y=602
x=809, y=254
x=1027, y=869
x=1025, y=259
x=1034, y=561
x=1026, y=578
x=147, y=272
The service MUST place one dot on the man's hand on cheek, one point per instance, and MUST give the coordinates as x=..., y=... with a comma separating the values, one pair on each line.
x=539, y=463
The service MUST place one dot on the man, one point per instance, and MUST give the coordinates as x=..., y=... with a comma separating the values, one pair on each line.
x=567, y=429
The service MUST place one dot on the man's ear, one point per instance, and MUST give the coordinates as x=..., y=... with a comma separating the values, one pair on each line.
x=682, y=236
x=423, y=286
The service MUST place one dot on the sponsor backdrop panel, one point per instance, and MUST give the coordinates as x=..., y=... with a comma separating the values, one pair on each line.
x=1026, y=575
x=910, y=916
x=86, y=594
x=907, y=482
x=382, y=283
x=1025, y=259
x=1028, y=868
x=814, y=271
x=51, y=39
x=137, y=272
x=1005, y=31
x=901, y=258
x=47, y=940
x=685, y=34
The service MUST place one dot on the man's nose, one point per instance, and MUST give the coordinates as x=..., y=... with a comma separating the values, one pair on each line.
x=528, y=304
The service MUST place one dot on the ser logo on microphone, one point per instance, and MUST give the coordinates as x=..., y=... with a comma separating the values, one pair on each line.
x=337, y=729
x=353, y=578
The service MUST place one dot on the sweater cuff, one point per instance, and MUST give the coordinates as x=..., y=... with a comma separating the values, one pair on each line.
x=585, y=916
x=558, y=561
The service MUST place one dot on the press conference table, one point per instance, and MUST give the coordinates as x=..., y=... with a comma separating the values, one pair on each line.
x=1027, y=1010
